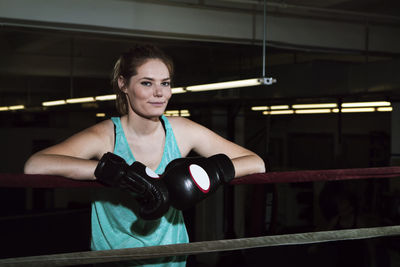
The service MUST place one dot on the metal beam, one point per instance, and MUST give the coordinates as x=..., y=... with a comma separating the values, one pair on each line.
x=190, y=22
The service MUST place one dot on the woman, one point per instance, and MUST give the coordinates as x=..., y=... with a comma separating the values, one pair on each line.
x=142, y=82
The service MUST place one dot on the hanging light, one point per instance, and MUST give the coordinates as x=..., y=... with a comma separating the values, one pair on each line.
x=240, y=83
x=224, y=85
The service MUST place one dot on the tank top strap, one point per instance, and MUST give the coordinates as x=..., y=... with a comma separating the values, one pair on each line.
x=121, y=146
x=171, y=149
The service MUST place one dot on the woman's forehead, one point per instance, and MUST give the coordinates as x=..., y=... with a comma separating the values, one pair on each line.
x=153, y=68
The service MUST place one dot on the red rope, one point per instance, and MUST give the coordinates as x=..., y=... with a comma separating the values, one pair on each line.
x=42, y=181
x=318, y=175
x=50, y=181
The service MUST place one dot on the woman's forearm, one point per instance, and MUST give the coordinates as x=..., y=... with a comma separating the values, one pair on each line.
x=248, y=165
x=70, y=167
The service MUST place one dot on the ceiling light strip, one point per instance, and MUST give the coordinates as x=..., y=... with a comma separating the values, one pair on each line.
x=80, y=100
x=312, y=111
x=16, y=107
x=224, y=85
x=384, y=109
x=321, y=105
x=54, y=103
x=279, y=107
x=278, y=112
x=366, y=104
x=381, y=106
x=105, y=97
x=353, y=110
x=259, y=108
x=178, y=90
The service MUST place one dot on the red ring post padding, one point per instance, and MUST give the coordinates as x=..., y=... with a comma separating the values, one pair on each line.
x=51, y=181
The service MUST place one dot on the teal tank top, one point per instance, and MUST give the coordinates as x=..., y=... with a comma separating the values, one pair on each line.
x=114, y=221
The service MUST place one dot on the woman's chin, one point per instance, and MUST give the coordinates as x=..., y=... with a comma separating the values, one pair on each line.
x=150, y=113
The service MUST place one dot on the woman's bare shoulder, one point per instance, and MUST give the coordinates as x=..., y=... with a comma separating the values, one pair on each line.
x=102, y=129
x=100, y=135
x=180, y=122
x=91, y=142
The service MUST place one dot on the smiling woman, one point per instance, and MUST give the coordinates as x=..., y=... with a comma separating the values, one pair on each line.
x=143, y=154
x=149, y=91
x=128, y=66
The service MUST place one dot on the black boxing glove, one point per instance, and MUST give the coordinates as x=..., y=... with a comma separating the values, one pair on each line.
x=190, y=180
x=150, y=191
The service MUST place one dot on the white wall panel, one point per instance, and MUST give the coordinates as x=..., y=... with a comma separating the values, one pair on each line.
x=193, y=22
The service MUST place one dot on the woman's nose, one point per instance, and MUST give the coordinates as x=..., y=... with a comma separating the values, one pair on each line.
x=158, y=90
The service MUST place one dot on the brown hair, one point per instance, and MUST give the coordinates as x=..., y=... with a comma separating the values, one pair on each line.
x=127, y=65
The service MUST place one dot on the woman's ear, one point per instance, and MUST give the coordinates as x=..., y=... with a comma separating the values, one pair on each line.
x=122, y=84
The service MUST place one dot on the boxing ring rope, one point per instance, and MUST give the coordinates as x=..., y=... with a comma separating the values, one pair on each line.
x=105, y=256
x=90, y=257
x=50, y=181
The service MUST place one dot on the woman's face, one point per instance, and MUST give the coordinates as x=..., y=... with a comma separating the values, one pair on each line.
x=149, y=91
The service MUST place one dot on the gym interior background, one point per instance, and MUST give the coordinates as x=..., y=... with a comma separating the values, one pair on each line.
x=336, y=51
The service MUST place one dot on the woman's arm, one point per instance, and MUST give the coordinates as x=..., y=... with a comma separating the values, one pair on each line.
x=193, y=136
x=76, y=157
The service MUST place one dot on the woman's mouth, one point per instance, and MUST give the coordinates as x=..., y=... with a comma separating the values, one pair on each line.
x=157, y=103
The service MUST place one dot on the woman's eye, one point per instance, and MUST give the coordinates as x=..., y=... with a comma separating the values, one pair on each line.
x=166, y=84
x=146, y=83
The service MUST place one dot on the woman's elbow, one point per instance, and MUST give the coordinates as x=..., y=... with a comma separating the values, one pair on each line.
x=261, y=165
x=30, y=167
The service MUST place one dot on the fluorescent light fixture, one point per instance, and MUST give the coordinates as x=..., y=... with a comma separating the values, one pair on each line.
x=384, y=109
x=350, y=110
x=99, y=115
x=3, y=108
x=105, y=97
x=16, y=107
x=171, y=112
x=279, y=107
x=176, y=113
x=225, y=85
x=259, y=108
x=313, y=111
x=54, y=103
x=321, y=105
x=278, y=112
x=366, y=104
x=276, y=107
x=178, y=90
x=184, y=113
x=80, y=100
